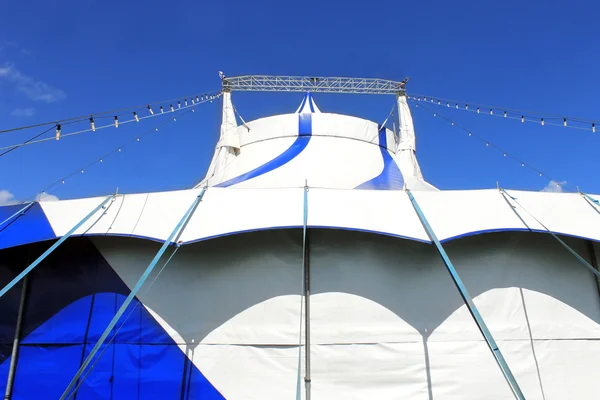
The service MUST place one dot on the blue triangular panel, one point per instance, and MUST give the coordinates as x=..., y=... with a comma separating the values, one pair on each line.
x=29, y=227
x=143, y=362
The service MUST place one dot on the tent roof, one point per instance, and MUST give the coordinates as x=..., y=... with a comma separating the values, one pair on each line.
x=228, y=211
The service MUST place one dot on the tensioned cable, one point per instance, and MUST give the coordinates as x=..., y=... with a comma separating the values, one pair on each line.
x=119, y=148
x=102, y=114
x=490, y=144
x=112, y=125
x=382, y=126
x=559, y=240
x=28, y=140
x=525, y=113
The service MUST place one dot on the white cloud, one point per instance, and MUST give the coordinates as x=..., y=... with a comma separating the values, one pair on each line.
x=23, y=112
x=7, y=198
x=46, y=197
x=554, y=186
x=35, y=90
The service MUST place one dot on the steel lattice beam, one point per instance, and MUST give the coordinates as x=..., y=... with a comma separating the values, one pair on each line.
x=265, y=83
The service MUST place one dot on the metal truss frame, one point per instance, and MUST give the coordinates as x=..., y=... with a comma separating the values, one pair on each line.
x=267, y=83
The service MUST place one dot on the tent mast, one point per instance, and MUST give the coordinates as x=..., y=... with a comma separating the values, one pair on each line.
x=306, y=263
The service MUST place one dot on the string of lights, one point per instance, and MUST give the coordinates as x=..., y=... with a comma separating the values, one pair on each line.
x=487, y=143
x=508, y=113
x=119, y=149
x=111, y=113
x=136, y=118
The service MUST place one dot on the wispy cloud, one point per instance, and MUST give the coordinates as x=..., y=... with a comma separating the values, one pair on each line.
x=9, y=45
x=46, y=197
x=555, y=186
x=30, y=87
x=7, y=198
x=23, y=112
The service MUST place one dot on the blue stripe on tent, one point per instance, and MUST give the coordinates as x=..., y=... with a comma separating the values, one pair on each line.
x=303, y=103
x=310, y=102
x=304, y=135
x=70, y=302
x=30, y=227
x=391, y=176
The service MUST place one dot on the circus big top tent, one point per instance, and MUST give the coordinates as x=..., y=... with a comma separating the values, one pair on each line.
x=313, y=261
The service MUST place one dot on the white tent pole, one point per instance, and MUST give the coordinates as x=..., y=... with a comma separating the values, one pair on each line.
x=306, y=264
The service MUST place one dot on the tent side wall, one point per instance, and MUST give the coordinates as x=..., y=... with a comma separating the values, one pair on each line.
x=386, y=320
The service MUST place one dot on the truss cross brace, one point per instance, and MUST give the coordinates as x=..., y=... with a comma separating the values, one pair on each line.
x=267, y=83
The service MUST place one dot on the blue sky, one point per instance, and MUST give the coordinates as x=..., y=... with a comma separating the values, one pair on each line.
x=73, y=58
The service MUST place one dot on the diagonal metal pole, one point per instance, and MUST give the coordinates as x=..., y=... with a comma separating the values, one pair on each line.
x=14, y=357
x=508, y=375
x=590, y=198
x=177, y=231
x=53, y=247
x=18, y=213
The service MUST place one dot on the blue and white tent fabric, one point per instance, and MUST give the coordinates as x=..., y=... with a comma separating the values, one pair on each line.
x=224, y=319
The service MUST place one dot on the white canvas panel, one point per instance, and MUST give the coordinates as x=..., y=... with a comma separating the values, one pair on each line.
x=346, y=126
x=369, y=371
x=453, y=213
x=211, y=292
x=128, y=209
x=388, y=212
x=347, y=319
x=325, y=162
x=162, y=212
x=467, y=370
x=249, y=372
x=65, y=214
x=407, y=129
x=566, y=213
x=227, y=210
x=501, y=309
x=277, y=126
x=569, y=368
x=376, y=301
x=564, y=302
x=560, y=294
x=251, y=156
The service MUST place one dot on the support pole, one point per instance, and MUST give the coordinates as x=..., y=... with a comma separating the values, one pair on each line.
x=594, y=261
x=176, y=233
x=12, y=368
x=306, y=262
x=591, y=200
x=52, y=248
x=17, y=214
x=508, y=375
